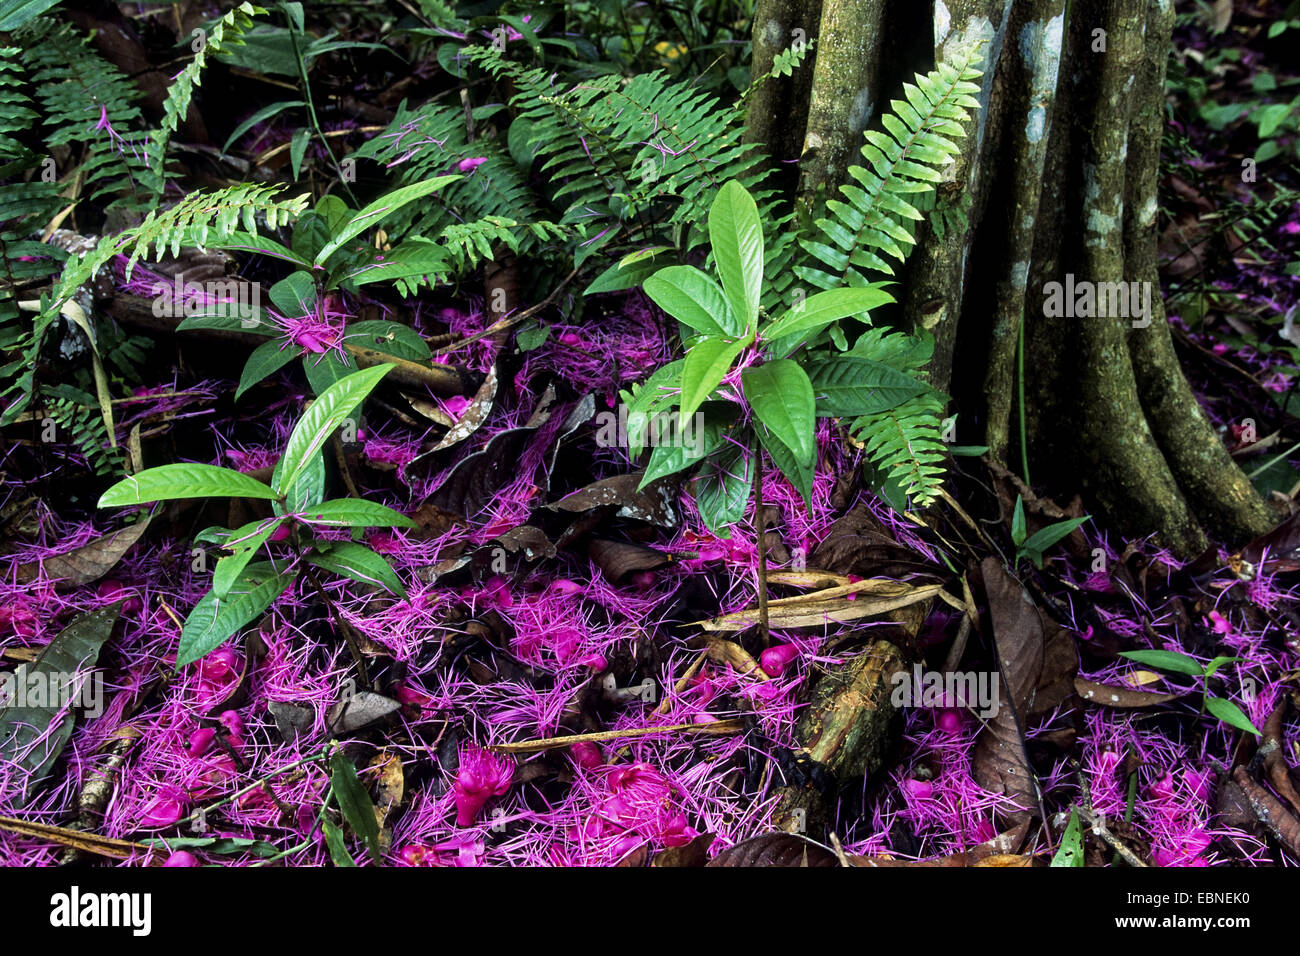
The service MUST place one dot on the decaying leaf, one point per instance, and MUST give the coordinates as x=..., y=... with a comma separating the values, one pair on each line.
x=618, y=559
x=85, y=564
x=1121, y=697
x=839, y=604
x=776, y=849
x=475, y=414
x=653, y=504
x=359, y=710
x=38, y=703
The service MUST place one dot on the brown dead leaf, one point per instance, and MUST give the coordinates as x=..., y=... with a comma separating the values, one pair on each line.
x=776, y=849
x=618, y=559
x=1120, y=697
x=653, y=504
x=695, y=853
x=88, y=563
x=873, y=596
x=475, y=414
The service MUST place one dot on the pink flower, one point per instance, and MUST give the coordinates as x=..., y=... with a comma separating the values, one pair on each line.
x=1220, y=624
x=112, y=591
x=586, y=755
x=469, y=165
x=182, y=858
x=948, y=720
x=776, y=659
x=164, y=810
x=219, y=674
x=480, y=777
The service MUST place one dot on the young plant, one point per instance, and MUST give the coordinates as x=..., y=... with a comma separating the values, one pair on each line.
x=329, y=256
x=1221, y=708
x=1035, y=545
x=241, y=588
x=749, y=380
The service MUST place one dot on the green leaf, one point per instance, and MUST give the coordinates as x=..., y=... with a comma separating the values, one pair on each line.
x=324, y=370
x=1044, y=538
x=736, y=233
x=693, y=439
x=267, y=359
x=334, y=841
x=378, y=210
x=33, y=732
x=1212, y=668
x=1230, y=714
x=356, y=513
x=1166, y=661
x=1018, y=523
x=294, y=295
x=416, y=257
x=321, y=419
x=215, y=620
x=824, y=308
x=782, y=397
x=796, y=472
x=359, y=563
x=849, y=385
x=624, y=274
x=244, y=542
x=15, y=13
x=1070, y=852
x=260, y=116
x=723, y=488
x=186, y=480
x=391, y=338
x=707, y=363
x=307, y=491
x=689, y=295
x=298, y=149
x=355, y=804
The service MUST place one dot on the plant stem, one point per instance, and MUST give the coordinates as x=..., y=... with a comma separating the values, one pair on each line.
x=760, y=524
x=1020, y=391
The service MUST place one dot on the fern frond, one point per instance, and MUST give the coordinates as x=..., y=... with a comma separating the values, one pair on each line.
x=470, y=243
x=868, y=227
x=81, y=426
x=86, y=102
x=224, y=33
x=631, y=161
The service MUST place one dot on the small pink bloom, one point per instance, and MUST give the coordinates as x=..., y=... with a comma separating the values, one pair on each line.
x=112, y=591
x=586, y=755
x=1220, y=624
x=776, y=659
x=182, y=858
x=481, y=776
x=163, y=811
x=920, y=789
x=469, y=165
x=201, y=741
x=948, y=720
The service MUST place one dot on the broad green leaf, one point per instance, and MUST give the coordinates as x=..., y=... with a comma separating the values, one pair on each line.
x=723, y=488
x=355, y=803
x=392, y=338
x=660, y=390
x=796, y=473
x=323, y=370
x=849, y=385
x=307, y=491
x=782, y=397
x=15, y=13
x=707, y=363
x=375, y=213
x=247, y=242
x=294, y=295
x=359, y=563
x=736, y=233
x=215, y=620
x=267, y=358
x=187, y=480
x=244, y=542
x=319, y=421
x=355, y=513
x=689, y=295
x=624, y=274
x=1070, y=852
x=824, y=308
x=1230, y=714
x=690, y=440
x=33, y=732
x=413, y=258
x=1166, y=661
x=1044, y=538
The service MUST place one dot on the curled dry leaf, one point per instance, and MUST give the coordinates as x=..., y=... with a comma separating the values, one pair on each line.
x=653, y=504
x=1281, y=822
x=359, y=710
x=848, y=602
x=695, y=853
x=85, y=564
x=1270, y=749
x=474, y=415
x=618, y=559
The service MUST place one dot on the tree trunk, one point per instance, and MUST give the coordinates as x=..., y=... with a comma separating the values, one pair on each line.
x=1057, y=181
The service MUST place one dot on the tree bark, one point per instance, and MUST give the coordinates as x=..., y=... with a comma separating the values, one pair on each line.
x=1057, y=177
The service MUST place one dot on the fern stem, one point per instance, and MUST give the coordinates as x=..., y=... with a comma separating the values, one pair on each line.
x=311, y=110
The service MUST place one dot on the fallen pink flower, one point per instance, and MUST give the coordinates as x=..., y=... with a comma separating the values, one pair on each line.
x=481, y=776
